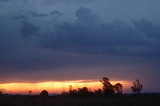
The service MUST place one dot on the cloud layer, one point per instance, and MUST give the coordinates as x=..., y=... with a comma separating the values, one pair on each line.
x=90, y=34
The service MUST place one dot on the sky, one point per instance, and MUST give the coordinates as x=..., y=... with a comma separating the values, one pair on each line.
x=68, y=40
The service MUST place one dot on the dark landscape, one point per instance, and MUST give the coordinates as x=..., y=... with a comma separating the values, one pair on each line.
x=125, y=100
x=110, y=95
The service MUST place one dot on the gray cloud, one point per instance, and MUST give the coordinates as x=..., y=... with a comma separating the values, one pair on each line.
x=21, y=16
x=29, y=15
x=51, y=2
x=28, y=29
x=55, y=13
x=87, y=35
x=4, y=0
x=149, y=28
x=10, y=37
x=90, y=34
x=35, y=14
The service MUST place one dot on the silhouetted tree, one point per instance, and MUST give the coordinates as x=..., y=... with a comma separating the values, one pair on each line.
x=72, y=92
x=118, y=88
x=70, y=88
x=137, y=87
x=98, y=92
x=44, y=93
x=107, y=86
x=83, y=92
x=1, y=92
x=30, y=92
x=80, y=92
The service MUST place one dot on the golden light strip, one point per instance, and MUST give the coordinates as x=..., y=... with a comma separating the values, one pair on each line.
x=55, y=86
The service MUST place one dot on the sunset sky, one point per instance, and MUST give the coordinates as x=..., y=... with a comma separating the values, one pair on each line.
x=49, y=44
x=57, y=87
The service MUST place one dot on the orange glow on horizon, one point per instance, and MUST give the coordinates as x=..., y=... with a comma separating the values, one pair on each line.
x=56, y=86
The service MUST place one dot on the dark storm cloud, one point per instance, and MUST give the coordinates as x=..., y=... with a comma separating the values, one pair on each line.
x=55, y=13
x=21, y=16
x=149, y=28
x=87, y=35
x=35, y=14
x=28, y=29
x=50, y=2
x=4, y=0
x=29, y=15
x=7, y=40
x=90, y=34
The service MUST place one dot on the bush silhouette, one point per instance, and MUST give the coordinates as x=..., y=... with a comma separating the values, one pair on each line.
x=98, y=92
x=137, y=87
x=44, y=93
x=118, y=88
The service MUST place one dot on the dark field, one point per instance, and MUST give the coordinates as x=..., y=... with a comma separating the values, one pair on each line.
x=109, y=101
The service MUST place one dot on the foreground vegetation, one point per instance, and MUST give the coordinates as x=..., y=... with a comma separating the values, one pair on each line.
x=127, y=100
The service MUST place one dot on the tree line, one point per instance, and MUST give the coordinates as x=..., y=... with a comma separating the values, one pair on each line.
x=107, y=90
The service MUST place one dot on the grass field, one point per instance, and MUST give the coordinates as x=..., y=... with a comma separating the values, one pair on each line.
x=109, y=101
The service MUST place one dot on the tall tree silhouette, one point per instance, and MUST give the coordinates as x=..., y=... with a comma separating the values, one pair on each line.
x=137, y=87
x=107, y=86
x=118, y=88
